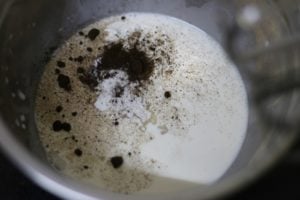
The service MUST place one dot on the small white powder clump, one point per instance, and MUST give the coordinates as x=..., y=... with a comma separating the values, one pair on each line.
x=116, y=94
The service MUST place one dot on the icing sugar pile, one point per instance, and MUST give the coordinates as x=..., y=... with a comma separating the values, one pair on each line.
x=116, y=94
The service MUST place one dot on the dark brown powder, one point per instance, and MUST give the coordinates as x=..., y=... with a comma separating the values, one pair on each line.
x=133, y=61
x=167, y=94
x=66, y=127
x=85, y=167
x=59, y=126
x=78, y=152
x=118, y=91
x=56, y=126
x=89, y=49
x=74, y=114
x=60, y=64
x=58, y=109
x=93, y=33
x=57, y=71
x=64, y=82
x=116, y=123
x=89, y=79
x=80, y=70
x=117, y=161
x=79, y=59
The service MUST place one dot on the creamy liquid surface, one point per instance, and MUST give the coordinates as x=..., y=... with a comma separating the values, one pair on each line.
x=180, y=128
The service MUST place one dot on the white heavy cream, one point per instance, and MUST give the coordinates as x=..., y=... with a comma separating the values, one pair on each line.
x=183, y=127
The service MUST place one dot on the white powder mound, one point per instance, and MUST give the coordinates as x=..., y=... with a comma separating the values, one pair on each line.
x=129, y=105
x=181, y=128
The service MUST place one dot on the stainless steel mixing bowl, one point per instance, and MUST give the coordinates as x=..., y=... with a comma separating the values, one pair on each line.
x=31, y=29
